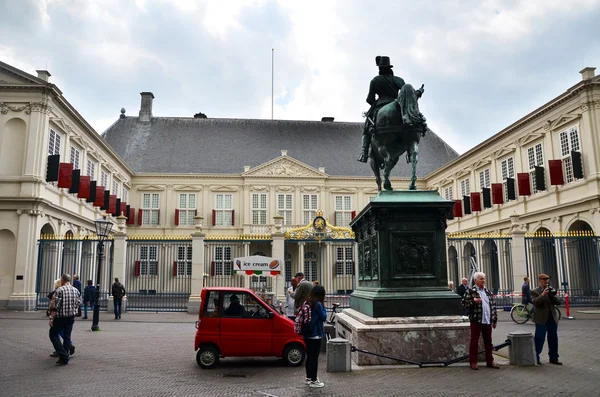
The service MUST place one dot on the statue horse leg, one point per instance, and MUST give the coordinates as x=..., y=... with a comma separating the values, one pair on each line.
x=414, y=158
x=375, y=166
x=390, y=163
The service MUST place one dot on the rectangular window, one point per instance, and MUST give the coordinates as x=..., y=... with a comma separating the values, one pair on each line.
x=150, y=209
x=448, y=195
x=309, y=207
x=125, y=196
x=343, y=210
x=508, y=171
x=465, y=187
x=54, y=143
x=223, y=209
x=223, y=264
x=187, y=209
x=149, y=260
x=103, y=178
x=484, y=178
x=184, y=261
x=259, y=208
x=284, y=208
x=115, y=188
x=75, y=157
x=535, y=156
x=569, y=142
x=344, y=264
x=91, y=169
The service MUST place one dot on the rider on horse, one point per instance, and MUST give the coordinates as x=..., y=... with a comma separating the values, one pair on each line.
x=386, y=87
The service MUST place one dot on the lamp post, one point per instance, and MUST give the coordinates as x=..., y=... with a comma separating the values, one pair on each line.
x=103, y=228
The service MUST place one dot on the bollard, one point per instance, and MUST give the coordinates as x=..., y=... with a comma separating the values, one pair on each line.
x=329, y=334
x=522, y=348
x=338, y=355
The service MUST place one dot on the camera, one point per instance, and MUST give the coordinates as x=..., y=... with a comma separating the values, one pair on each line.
x=552, y=291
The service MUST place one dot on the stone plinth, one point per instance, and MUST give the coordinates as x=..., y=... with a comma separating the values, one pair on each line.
x=419, y=339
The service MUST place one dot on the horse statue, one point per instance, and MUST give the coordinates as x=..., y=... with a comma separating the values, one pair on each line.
x=397, y=129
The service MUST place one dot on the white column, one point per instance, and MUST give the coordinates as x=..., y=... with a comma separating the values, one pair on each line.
x=197, y=271
x=278, y=252
x=519, y=258
x=246, y=253
x=327, y=271
x=301, y=257
x=119, y=262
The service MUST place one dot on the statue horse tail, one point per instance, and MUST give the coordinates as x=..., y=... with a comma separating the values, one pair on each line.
x=408, y=100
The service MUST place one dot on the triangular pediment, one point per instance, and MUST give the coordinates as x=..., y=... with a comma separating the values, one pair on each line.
x=150, y=188
x=284, y=167
x=504, y=151
x=371, y=191
x=532, y=137
x=482, y=163
x=223, y=189
x=342, y=190
x=12, y=76
x=564, y=119
x=187, y=187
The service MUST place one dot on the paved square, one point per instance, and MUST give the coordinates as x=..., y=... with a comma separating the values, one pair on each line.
x=152, y=354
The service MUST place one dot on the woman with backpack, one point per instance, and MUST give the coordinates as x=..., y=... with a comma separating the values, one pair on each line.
x=314, y=334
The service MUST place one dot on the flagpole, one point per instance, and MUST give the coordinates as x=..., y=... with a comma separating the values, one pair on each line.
x=272, y=78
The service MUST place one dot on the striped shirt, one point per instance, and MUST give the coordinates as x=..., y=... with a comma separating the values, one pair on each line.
x=66, y=301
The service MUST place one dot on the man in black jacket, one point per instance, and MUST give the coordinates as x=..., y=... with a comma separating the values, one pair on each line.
x=118, y=292
x=463, y=287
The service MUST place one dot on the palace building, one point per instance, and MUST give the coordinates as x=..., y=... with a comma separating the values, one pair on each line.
x=189, y=194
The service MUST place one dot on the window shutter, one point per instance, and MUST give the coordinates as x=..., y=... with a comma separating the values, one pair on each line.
x=123, y=209
x=510, y=189
x=65, y=175
x=476, y=201
x=140, y=212
x=75, y=179
x=214, y=217
x=467, y=204
x=195, y=212
x=92, y=197
x=353, y=214
x=577, y=164
x=213, y=268
x=52, y=168
x=131, y=216
x=523, y=183
x=174, y=268
x=158, y=215
x=497, y=197
x=99, y=196
x=540, y=178
x=84, y=187
x=112, y=204
x=487, y=197
x=176, y=217
x=457, y=209
x=556, y=172
x=106, y=201
x=232, y=217
x=138, y=266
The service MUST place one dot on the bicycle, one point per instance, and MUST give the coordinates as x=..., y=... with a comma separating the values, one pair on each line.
x=331, y=320
x=520, y=313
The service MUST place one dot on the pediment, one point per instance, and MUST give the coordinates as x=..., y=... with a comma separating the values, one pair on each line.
x=284, y=167
x=504, y=151
x=534, y=136
x=13, y=76
x=187, y=187
x=482, y=163
x=462, y=173
x=342, y=190
x=150, y=188
x=564, y=119
x=223, y=188
x=371, y=191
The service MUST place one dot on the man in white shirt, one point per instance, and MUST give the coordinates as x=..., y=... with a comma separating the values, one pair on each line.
x=290, y=307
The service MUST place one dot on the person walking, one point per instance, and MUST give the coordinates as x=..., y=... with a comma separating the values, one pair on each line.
x=314, y=337
x=88, y=298
x=479, y=303
x=77, y=285
x=302, y=291
x=290, y=307
x=118, y=292
x=545, y=318
x=66, y=302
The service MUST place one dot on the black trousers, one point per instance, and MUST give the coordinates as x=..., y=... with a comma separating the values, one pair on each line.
x=313, y=348
x=64, y=325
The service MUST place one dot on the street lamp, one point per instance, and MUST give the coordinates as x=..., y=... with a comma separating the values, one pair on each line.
x=103, y=228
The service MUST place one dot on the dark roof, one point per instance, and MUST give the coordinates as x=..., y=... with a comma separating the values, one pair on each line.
x=176, y=145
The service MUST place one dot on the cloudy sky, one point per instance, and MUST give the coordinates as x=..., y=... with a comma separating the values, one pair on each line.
x=484, y=64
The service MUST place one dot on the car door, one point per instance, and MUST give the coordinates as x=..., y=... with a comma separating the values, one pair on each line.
x=210, y=320
x=246, y=326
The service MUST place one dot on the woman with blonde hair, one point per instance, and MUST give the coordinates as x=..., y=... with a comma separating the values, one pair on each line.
x=57, y=285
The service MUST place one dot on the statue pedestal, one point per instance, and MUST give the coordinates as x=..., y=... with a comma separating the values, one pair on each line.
x=402, y=271
x=419, y=339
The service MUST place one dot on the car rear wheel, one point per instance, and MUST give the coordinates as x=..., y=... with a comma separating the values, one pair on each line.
x=293, y=355
x=207, y=357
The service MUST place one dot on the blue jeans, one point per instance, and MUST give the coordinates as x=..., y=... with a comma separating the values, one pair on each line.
x=117, y=306
x=62, y=326
x=551, y=329
x=85, y=307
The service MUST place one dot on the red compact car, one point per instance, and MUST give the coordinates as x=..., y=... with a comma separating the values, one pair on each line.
x=235, y=322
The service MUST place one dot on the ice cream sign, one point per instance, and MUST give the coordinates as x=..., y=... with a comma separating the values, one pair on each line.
x=257, y=264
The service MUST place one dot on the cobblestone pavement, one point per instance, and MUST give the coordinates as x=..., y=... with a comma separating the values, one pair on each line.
x=152, y=354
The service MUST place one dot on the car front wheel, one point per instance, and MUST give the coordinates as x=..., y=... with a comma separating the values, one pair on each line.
x=207, y=357
x=293, y=355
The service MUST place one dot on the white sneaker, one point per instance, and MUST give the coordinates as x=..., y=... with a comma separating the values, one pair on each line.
x=307, y=381
x=316, y=383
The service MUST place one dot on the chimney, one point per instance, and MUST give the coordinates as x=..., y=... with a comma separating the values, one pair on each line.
x=284, y=152
x=246, y=168
x=322, y=169
x=43, y=74
x=587, y=73
x=327, y=119
x=146, y=107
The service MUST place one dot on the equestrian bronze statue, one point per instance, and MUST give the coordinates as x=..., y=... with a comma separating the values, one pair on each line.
x=393, y=125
